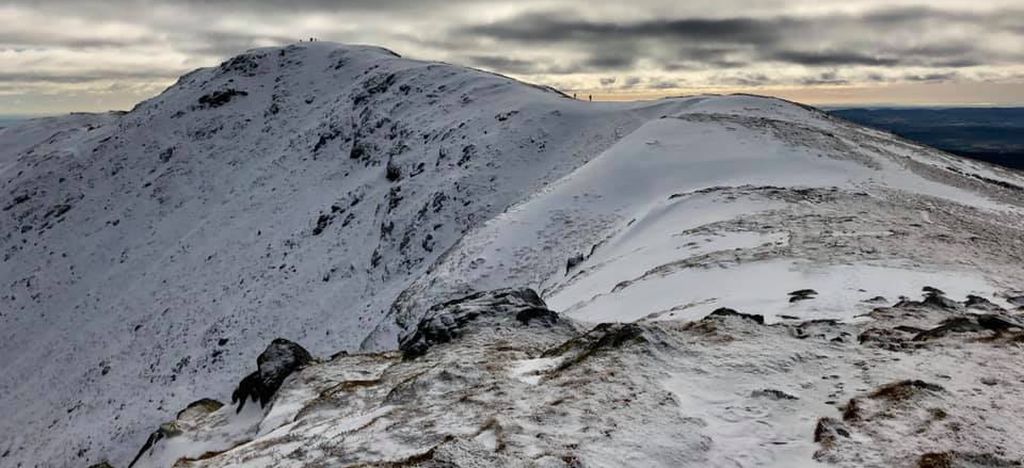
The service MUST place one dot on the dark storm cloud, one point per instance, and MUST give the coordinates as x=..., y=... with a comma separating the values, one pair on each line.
x=546, y=28
x=826, y=78
x=785, y=39
x=745, y=79
x=55, y=77
x=505, y=64
x=610, y=62
x=16, y=40
x=830, y=58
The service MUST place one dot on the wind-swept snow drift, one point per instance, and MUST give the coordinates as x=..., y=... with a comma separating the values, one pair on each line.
x=332, y=195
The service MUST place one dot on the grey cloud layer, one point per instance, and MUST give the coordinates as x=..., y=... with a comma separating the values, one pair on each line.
x=646, y=45
x=816, y=41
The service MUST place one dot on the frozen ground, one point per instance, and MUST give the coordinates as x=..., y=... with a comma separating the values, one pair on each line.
x=724, y=390
x=332, y=194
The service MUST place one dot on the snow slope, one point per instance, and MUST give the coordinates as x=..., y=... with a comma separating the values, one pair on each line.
x=736, y=201
x=148, y=253
x=330, y=194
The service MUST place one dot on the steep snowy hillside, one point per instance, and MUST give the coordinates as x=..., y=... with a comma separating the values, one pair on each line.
x=736, y=201
x=338, y=196
x=289, y=192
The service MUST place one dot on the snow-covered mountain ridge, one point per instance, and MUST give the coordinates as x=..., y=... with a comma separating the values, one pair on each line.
x=321, y=192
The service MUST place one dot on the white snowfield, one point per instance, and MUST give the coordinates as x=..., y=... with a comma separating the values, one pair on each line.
x=330, y=194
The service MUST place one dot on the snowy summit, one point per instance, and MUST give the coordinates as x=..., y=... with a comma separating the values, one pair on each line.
x=433, y=265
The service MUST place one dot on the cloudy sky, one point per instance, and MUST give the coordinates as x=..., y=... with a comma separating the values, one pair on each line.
x=81, y=55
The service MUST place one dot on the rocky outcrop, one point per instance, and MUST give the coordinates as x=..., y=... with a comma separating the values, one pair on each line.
x=447, y=321
x=971, y=324
x=186, y=420
x=277, y=362
x=723, y=312
x=495, y=377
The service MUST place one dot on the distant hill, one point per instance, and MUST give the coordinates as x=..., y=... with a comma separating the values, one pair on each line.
x=994, y=135
x=8, y=120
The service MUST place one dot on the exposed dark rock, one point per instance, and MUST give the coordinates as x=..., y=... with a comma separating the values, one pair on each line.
x=933, y=297
x=102, y=464
x=503, y=116
x=953, y=325
x=435, y=330
x=936, y=460
x=376, y=84
x=908, y=329
x=360, y=150
x=614, y=335
x=773, y=394
x=727, y=312
x=539, y=314
x=468, y=152
x=602, y=337
x=828, y=431
x=978, y=302
x=392, y=172
x=326, y=138
x=274, y=364
x=818, y=328
x=954, y=459
x=18, y=199
x=852, y=410
x=903, y=390
x=203, y=406
x=894, y=339
x=57, y=210
x=802, y=294
x=877, y=300
x=971, y=324
x=246, y=64
x=573, y=261
x=219, y=98
x=446, y=321
x=941, y=302
x=167, y=154
x=322, y=222
x=164, y=431
x=1016, y=300
x=998, y=323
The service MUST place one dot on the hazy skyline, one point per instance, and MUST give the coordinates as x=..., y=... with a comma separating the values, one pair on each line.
x=59, y=56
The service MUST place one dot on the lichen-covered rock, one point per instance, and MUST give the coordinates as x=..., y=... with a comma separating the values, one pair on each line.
x=277, y=362
x=199, y=408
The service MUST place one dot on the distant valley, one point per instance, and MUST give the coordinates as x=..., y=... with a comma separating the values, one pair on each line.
x=995, y=135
